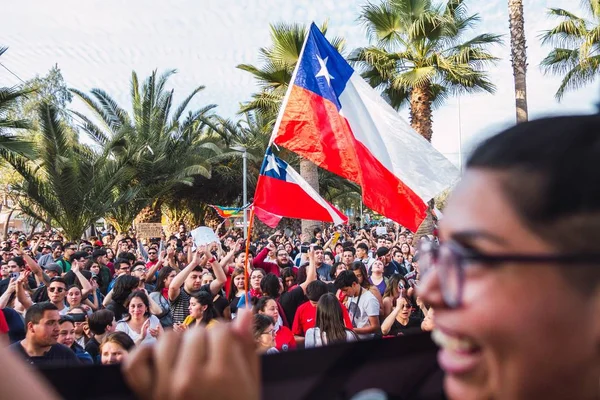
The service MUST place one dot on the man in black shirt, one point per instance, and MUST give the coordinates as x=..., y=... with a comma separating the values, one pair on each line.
x=101, y=323
x=40, y=345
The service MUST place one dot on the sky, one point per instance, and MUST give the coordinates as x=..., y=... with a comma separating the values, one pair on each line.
x=97, y=43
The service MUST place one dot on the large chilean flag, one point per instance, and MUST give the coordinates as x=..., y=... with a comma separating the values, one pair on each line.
x=332, y=117
x=282, y=192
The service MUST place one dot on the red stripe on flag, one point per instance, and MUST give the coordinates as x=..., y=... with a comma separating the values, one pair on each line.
x=285, y=198
x=312, y=127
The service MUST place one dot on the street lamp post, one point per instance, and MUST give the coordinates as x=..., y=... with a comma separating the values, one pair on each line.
x=244, y=184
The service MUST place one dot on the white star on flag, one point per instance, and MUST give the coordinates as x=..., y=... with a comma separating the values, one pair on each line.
x=272, y=164
x=323, y=71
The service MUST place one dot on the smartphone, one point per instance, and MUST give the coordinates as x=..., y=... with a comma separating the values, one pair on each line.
x=14, y=275
x=304, y=249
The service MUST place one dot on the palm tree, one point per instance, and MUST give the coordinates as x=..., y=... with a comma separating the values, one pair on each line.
x=274, y=77
x=163, y=147
x=518, y=49
x=68, y=182
x=576, y=42
x=9, y=143
x=420, y=55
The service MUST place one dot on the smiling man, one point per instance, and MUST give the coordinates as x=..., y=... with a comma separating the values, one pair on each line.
x=515, y=283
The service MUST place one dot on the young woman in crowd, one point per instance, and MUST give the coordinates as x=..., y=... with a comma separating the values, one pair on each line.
x=399, y=321
x=392, y=292
x=288, y=277
x=74, y=300
x=236, y=290
x=79, y=317
x=66, y=336
x=330, y=326
x=202, y=313
x=263, y=330
x=377, y=279
x=116, y=299
x=139, y=324
x=284, y=338
x=256, y=277
x=161, y=295
x=115, y=347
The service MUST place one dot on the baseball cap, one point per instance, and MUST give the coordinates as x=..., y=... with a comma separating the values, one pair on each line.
x=54, y=267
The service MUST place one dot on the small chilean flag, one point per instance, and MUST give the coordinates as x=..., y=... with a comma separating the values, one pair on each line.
x=282, y=192
x=332, y=117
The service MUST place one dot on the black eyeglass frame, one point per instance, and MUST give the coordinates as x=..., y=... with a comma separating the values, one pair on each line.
x=463, y=256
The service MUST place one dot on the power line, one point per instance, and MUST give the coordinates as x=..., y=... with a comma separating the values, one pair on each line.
x=6, y=68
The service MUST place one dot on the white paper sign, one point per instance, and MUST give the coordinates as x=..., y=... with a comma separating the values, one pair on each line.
x=203, y=235
x=381, y=230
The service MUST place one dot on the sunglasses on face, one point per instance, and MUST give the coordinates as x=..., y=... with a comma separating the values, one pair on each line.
x=56, y=289
x=151, y=253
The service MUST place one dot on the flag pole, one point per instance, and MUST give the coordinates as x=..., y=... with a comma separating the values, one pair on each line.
x=246, y=274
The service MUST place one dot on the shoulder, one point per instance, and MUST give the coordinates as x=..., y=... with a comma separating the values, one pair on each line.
x=61, y=351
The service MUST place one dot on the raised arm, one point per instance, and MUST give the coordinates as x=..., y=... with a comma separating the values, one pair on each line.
x=220, y=277
x=34, y=267
x=22, y=294
x=389, y=320
x=311, y=269
x=86, y=286
x=177, y=282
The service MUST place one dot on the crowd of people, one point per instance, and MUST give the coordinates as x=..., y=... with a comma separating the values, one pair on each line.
x=95, y=300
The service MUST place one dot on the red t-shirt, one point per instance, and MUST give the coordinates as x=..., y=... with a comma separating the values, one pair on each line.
x=306, y=317
x=284, y=339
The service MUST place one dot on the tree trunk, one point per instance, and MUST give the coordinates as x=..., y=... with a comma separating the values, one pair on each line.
x=518, y=50
x=428, y=225
x=310, y=173
x=420, y=111
x=12, y=210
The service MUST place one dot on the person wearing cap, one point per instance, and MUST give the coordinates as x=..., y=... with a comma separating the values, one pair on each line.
x=55, y=255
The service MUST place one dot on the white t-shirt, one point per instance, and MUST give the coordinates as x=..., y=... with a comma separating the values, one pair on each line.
x=124, y=327
x=312, y=338
x=368, y=306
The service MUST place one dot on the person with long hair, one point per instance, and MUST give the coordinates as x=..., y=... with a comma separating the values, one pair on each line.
x=399, y=321
x=263, y=330
x=139, y=324
x=359, y=269
x=115, y=300
x=160, y=295
x=284, y=339
x=330, y=326
x=202, y=312
x=394, y=289
x=236, y=290
x=115, y=348
x=288, y=278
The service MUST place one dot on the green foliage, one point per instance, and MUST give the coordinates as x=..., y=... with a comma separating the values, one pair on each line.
x=576, y=42
x=421, y=44
x=68, y=182
x=163, y=147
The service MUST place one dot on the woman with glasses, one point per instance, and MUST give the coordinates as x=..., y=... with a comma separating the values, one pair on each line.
x=263, y=330
x=284, y=338
x=399, y=322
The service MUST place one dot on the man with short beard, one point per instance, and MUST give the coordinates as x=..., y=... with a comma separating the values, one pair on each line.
x=282, y=260
x=40, y=345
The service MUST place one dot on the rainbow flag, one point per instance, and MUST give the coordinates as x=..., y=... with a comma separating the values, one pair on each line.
x=229, y=212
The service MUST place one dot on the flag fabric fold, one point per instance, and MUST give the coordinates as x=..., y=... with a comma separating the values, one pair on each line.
x=282, y=192
x=332, y=117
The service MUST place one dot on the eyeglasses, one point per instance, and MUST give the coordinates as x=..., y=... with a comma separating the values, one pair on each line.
x=271, y=332
x=139, y=270
x=451, y=259
x=56, y=289
x=151, y=253
x=406, y=305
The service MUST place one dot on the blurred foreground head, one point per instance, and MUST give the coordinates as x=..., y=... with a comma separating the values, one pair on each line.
x=516, y=282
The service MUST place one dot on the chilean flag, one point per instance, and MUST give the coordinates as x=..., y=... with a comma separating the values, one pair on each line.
x=282, y=192
x=332, y=117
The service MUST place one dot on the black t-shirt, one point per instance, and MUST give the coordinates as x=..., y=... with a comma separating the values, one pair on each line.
x=180, y=307
x=57, y=356
x=413, y=326
x=119, y=310
x=93, y=347
x=290, y=301
x=220, y=304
